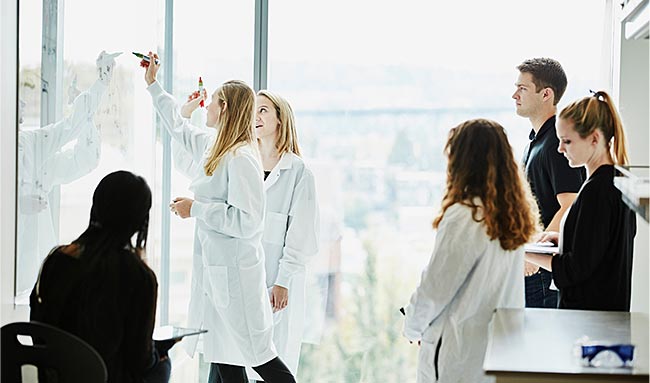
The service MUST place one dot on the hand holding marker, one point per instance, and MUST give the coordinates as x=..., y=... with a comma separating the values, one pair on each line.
x=145, y=59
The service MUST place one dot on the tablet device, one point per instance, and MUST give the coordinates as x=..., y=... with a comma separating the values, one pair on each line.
x=173, y=332
x=541, y=248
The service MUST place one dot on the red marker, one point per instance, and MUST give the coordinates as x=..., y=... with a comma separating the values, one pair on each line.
x=201, y=104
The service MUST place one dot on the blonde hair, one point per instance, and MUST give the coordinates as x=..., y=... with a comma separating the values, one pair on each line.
x=481, y=164
x=598, y=112
x=287, y=140
x=236, y=124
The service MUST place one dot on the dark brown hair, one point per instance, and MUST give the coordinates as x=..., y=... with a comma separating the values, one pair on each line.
x=481, y=165
x=547, y=73
x=598, y=112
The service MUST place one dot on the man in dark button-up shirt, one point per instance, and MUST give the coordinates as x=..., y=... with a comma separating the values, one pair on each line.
x=540, y=85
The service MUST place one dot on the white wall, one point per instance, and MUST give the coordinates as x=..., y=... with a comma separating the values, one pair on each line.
x=634, y=106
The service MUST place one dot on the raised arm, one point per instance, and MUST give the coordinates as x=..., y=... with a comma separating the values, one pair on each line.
x=53, y=137
x=76, y=162
x=183, y=161
x=193, y=139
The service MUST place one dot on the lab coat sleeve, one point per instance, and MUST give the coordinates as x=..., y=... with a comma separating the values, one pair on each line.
x=459, y=243
x=56, y=135
x=242, y=214
x=183, y=161
x=194, y=140
x=590, y=241
x=76, y=162
x=301, y=241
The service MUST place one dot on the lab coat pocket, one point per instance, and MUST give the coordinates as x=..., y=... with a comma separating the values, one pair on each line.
x=275, y=227
x=215, y=283
x=256, y=298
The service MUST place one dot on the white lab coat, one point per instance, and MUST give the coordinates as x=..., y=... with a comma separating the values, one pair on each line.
x=228, y=295
x=42, y=165
x=290, y=241
x=467, y=278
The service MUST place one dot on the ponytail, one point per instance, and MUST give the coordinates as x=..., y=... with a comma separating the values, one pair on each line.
x=618, y=146
x=598, y=112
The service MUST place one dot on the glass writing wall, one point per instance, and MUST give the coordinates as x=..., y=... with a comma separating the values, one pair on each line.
x=84, y=113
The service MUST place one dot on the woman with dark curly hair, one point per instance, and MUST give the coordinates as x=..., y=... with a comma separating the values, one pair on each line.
x=487, y=215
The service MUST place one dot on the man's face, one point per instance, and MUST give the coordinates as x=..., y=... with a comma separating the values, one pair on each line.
x=527, y=100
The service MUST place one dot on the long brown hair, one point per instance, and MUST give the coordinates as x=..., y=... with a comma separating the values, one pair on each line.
x=287, y=138
x=598, y=112
x=481, y=164
x=236, y=124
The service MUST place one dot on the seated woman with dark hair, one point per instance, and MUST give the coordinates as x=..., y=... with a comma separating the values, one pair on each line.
x=99, y=287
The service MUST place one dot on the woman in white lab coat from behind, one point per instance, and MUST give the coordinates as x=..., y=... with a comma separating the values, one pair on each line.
x=228, y=294
x=487, y=215
x=291, y=224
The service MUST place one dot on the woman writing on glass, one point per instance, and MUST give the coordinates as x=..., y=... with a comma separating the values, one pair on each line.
x=228, y=280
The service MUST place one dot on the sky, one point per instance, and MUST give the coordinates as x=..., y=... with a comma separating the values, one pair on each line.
x=476, y=35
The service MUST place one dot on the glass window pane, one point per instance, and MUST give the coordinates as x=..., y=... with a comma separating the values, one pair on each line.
x=99, y=128
x=375, y=89
x=212, y=40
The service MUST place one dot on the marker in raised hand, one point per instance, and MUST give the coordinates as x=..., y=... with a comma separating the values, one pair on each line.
x=201, y=104
x=145, y=59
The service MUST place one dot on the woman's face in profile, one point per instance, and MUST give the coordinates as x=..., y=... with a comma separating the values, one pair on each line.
x=214, y=110
x=266, y=120
x=575, y=148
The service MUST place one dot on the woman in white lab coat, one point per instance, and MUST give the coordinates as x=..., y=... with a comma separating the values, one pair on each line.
x=43, y=165
x=291, y=224
x=228, y=294
x=487, y=215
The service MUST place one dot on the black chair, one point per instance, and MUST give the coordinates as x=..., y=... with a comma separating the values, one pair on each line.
x=58, y=352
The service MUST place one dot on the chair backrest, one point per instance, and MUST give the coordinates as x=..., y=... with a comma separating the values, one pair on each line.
x=72, y=359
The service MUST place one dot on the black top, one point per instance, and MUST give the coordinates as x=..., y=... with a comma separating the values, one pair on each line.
x=594, y=271
x=266, y=174
x=117, y=320
x=548, y=171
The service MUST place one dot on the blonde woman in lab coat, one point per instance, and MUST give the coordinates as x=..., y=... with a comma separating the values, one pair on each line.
x=487, y=215
x=228, y=294
x=291, y=225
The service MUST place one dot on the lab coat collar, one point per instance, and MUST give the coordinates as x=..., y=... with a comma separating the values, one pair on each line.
x=286, y=162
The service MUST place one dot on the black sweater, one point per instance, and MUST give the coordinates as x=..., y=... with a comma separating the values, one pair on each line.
x=112, y=309
x=594, y=271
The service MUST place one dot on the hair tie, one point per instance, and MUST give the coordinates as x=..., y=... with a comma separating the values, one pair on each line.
x=598, y=95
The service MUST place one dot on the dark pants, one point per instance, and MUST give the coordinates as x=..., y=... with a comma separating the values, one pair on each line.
x=273, y=371
x=538, y=293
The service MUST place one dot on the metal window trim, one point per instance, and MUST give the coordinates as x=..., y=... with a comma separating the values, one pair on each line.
x=168, y=85
x=260, y=54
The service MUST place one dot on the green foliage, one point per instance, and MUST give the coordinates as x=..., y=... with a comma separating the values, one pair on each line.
x=365, y=344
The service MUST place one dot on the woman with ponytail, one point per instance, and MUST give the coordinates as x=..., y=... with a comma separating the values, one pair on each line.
x=228, y=294
x=487, y=215
x=593, y=269
x=100, y=288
